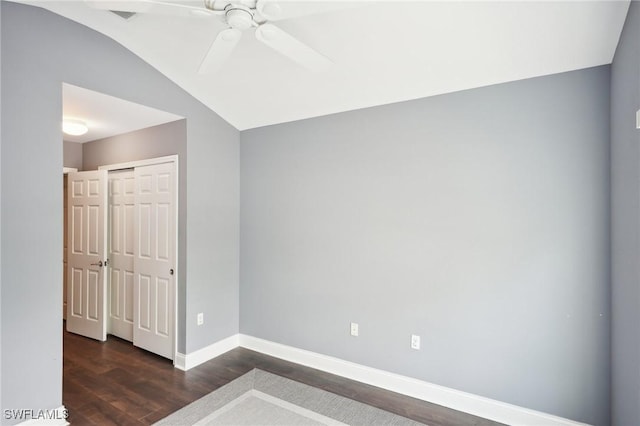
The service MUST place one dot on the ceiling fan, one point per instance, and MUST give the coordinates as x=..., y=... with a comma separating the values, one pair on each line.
x=239, y=16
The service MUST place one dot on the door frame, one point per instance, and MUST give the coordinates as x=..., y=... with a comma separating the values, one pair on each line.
x=149, y=162
x=65, y=172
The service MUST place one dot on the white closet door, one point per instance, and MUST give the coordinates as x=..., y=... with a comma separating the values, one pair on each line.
x=87, y=247
x=122, y=202
x=154, y=264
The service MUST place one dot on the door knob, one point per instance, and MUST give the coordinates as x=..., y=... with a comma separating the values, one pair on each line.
x=99, y=264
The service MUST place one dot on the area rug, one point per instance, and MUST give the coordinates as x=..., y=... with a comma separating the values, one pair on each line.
x=261, y=398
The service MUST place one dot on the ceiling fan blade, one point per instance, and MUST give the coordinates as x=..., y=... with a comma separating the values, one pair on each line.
x=220, y=50
x=149, y=6
x=274, y=10
x=292, y=48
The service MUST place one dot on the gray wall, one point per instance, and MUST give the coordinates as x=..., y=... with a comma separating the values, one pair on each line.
x=0, y=199
x=152, y=142
x=478, y=220
x=625, y=157
x=34, y=40
x=72, y=155
x=157, y=141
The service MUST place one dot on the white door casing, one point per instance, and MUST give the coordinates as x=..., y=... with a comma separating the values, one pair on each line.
x=155, y=259
x=86, y=257
x=65, y=247
x=65, y=233
x=121, y=247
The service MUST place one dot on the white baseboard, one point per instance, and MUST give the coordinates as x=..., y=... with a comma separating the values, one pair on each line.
x=447, y=397
x=186, y=362
x=457, y=400
x=55, y=417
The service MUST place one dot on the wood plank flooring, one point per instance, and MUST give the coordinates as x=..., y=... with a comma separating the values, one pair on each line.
x=115, y=383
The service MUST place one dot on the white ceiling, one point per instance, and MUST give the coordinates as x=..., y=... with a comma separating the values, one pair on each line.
x=107, y=116
x=383, y=52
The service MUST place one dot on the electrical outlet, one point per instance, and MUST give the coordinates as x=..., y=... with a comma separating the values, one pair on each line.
x=354, y=329
x=200, y=318
x=415, y=342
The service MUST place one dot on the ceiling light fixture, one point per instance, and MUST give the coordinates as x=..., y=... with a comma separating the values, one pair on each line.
x=74, y=127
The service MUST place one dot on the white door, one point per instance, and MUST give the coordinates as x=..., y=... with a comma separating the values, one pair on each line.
x=86, y=258
x=154, y=264
x=122, y=201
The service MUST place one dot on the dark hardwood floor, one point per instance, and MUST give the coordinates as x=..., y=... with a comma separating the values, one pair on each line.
x=115, y=383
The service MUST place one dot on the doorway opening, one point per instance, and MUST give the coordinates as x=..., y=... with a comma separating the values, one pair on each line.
x=123, y=227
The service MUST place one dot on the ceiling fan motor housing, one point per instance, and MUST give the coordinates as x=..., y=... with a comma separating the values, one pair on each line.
x=238, y=14
x=239, y=17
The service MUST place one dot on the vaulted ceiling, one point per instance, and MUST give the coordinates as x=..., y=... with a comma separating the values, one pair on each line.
x=381, y=51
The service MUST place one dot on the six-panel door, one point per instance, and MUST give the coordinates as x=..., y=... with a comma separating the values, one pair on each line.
x=154, y=259
x=87, y=227
x=122, y=204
